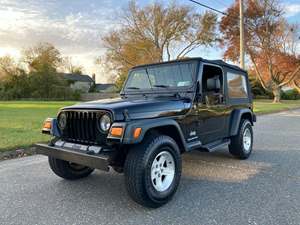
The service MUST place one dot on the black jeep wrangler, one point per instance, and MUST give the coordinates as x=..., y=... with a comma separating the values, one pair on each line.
x=164, y=110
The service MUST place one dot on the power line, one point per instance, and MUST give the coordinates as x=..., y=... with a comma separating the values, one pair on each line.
x=215, y=10
x=232, y=18
x=242, y=23
x=208, y=7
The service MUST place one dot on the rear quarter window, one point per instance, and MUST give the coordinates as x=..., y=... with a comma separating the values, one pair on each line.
x=237, y=85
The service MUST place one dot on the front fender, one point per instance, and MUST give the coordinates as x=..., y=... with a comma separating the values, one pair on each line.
x=146, y=125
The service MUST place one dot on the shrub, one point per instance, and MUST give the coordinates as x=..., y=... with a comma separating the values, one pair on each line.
x=76, y=95
x=37, y=85
x=292, y=94
x=258, y=91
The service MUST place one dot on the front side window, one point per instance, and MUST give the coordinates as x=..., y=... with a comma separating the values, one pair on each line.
x=237, y=86
x=162, y=76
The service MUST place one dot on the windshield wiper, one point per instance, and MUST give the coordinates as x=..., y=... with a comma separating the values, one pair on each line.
x=161, y=86
x=136, y=88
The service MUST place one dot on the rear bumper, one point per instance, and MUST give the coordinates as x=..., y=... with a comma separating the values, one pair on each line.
x=97, y=161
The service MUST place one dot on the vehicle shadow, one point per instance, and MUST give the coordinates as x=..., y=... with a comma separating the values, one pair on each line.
x=200, y=170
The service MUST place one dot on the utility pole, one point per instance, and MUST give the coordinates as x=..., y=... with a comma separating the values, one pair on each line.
x=242, y=42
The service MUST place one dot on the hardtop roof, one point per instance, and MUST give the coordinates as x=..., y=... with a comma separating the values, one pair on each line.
x=216, y=62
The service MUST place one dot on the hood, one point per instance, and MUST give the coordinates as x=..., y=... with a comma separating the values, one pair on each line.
x=138, y=108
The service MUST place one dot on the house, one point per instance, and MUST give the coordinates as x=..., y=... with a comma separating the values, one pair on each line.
x=79, y=82
x=105, y=88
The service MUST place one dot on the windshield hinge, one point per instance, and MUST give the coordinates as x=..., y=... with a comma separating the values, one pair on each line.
x=126, y=115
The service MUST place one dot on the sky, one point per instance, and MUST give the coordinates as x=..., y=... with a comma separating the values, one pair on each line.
x=76, y=27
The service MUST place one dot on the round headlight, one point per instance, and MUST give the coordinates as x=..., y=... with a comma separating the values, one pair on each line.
x=105, y=123
x=62, y=121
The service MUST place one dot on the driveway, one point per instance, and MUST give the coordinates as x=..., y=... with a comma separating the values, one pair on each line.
x=215, y=188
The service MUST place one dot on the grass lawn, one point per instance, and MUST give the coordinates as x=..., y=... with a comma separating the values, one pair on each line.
x=21, y=121
x=266, y=106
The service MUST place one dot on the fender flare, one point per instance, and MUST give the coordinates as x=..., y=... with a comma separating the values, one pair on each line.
x=235, y=119
x=148, y=124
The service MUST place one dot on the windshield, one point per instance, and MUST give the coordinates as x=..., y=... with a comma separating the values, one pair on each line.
x=161, y=76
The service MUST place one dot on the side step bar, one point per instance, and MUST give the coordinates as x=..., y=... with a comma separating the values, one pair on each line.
x=216, y=145
x=97, y=161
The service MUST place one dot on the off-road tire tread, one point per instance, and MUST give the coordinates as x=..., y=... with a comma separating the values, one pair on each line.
x=236, y=144
x=62, y=169
x=134, y=170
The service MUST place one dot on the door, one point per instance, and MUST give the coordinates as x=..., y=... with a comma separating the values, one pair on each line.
x=210, y=107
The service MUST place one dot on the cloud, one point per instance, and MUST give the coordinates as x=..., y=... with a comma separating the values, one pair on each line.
x=75, y=28
x=292, y=9
x=33, y=26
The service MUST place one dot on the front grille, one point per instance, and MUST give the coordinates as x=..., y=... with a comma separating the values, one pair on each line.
x=82, y=127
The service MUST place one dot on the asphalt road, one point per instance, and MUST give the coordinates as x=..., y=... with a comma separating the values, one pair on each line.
x=215, y=188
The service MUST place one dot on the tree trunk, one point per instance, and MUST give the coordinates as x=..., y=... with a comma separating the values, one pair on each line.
x=276, y=93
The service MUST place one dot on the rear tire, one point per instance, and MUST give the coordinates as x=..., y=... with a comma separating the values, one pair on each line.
x=241, y=144
x=67, y=170
x=153, y=170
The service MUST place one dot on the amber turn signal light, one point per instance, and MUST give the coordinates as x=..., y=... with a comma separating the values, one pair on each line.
x=47, y=125
x=137, y=132
x=116, y=131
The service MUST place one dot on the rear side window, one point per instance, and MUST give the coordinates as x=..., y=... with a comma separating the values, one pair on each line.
x=237, y=86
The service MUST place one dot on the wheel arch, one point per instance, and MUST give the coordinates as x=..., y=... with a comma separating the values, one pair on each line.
x=167, y=127
x=171, y=131
x=236, y=117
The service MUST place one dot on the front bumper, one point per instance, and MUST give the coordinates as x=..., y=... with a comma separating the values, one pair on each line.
x=97, y=161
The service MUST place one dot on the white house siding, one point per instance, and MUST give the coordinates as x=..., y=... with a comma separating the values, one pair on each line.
x=83, y=86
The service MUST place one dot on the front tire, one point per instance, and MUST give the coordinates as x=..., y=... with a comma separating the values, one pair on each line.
x=153, y=170
x=68, y=170
x=241, y=144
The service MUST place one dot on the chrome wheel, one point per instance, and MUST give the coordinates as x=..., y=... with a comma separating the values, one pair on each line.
x=247, y=139
x=163, y=171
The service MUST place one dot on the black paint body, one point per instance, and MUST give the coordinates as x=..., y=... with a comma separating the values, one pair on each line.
x=181, y=112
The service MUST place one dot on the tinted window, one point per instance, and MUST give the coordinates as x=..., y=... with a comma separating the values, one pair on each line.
x=162, y=76
x=237, y=86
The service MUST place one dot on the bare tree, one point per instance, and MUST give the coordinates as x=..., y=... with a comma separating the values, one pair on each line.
x=41, y=55
x=70, y=67
x=156, y=33
x=7, y=66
